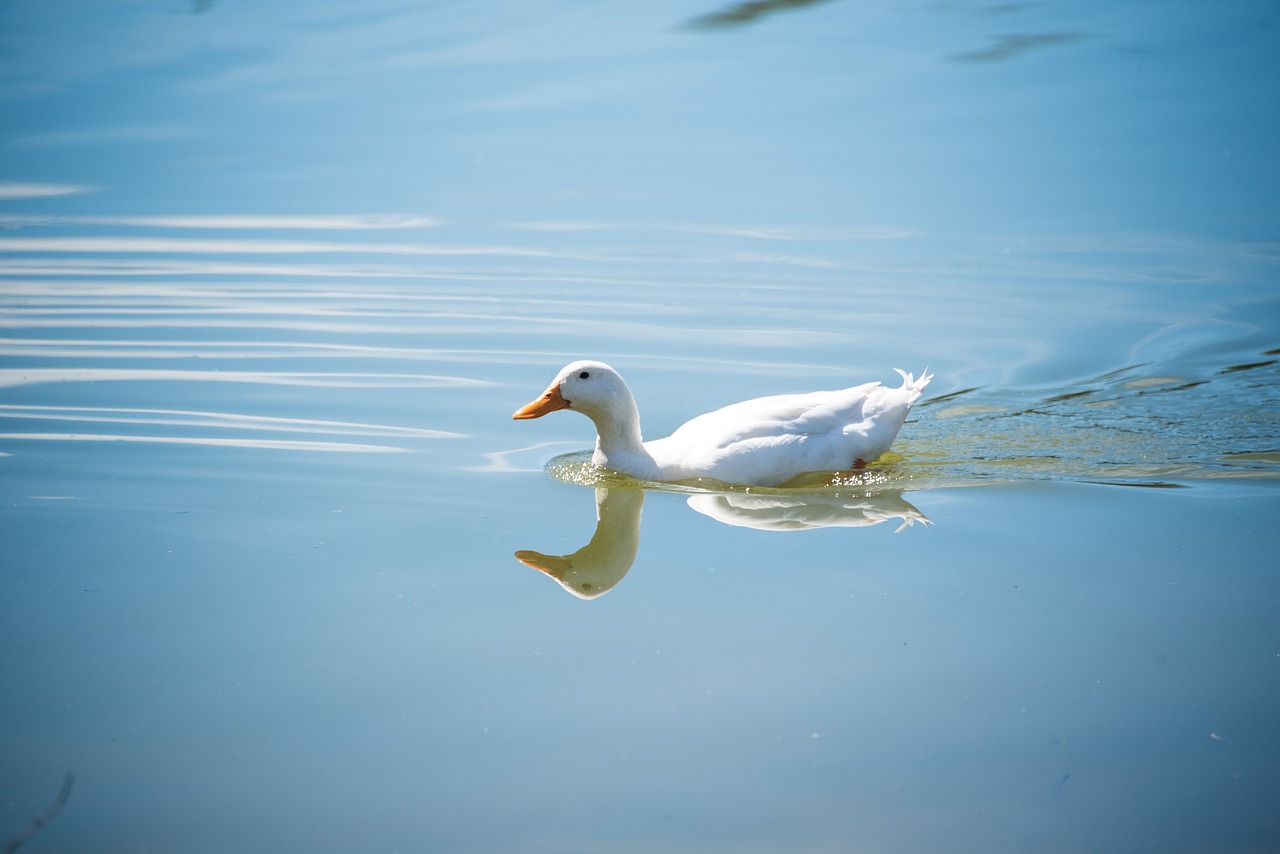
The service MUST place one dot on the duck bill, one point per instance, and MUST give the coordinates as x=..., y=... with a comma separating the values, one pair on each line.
x=553, y=565
x=550, y=401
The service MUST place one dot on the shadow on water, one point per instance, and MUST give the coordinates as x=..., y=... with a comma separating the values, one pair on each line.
x=1002, y=47
x=749, y=12
x=1013, y=46
x=43, y=818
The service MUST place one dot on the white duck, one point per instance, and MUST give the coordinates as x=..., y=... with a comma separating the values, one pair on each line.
x=762, y=442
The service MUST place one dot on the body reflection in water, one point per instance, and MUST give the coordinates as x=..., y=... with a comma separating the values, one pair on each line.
x=806, y=512
x=597, y=567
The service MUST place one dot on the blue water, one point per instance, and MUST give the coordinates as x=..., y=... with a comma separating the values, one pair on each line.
x=280, y=572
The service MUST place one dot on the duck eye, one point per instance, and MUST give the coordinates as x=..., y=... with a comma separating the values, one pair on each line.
x=584, y=375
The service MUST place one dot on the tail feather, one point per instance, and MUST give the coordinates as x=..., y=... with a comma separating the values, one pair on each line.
x=910, y=383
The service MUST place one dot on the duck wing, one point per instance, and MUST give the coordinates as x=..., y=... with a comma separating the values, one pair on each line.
x=803, y=414
x=765, y=440
x=770, y=440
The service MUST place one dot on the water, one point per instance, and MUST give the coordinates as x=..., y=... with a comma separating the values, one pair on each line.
x=280, y=573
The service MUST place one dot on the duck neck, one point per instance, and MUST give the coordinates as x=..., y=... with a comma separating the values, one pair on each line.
x=618, y=439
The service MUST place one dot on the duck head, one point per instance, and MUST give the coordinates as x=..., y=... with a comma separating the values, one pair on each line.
x=592, y=388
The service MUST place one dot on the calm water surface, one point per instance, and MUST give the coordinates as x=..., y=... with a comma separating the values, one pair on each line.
x=280, y=573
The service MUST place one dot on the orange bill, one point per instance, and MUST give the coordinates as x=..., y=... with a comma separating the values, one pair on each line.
x=550, y=401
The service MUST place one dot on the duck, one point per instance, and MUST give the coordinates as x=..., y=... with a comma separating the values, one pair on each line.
x=766, y=441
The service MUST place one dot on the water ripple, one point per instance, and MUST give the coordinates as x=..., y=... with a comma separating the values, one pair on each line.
x=315, y=222
x=11, y=377
x=261, y=444
x=180, y=333
x=227, y=420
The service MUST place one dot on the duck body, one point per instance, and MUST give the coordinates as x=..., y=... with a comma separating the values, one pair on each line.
x=762, y=442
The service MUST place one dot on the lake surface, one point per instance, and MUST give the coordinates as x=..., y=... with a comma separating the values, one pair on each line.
x=280, y=573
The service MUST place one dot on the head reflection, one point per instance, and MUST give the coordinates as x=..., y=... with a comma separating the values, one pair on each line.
x=595, y=568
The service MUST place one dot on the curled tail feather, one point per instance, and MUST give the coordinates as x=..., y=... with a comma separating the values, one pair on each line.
x=913, y=385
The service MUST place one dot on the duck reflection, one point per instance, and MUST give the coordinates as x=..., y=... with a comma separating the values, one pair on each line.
x=597, y=567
